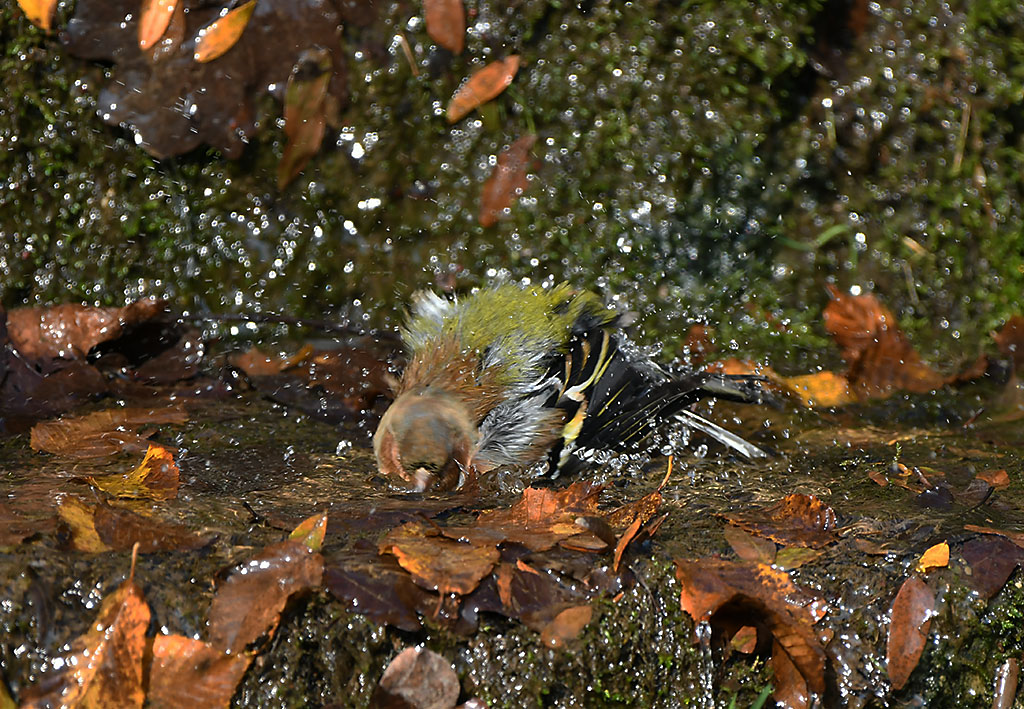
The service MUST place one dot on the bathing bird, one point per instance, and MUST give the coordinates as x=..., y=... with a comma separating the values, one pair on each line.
x=525, y=375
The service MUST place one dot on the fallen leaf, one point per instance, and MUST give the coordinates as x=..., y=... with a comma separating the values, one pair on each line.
x=819, y=390
x=305, y=118
x=484, y=85
x=796, y=519
x=748, y=547
x=507, y=180
x=39, y=12
x=745, y=640
x=437, y=563
x=446, y=23
x=248, y=605
x=219, y=36
x=996, y=478
x=1007, y=677
x=154, y=18
x=104, y=668
x=789, y=558
x=311, y=531
x=1015, y=537
x=156, y=478
x=991, y=561
x=103, y=433
x=878, y=478
x=935, y=557
x=912, y=613
x=99, y=527
x=378, y=588
x=566, y=626
x=791, y=689
x=186, y=672
x=418, y=678
x=1010, y=341
x=14, y=527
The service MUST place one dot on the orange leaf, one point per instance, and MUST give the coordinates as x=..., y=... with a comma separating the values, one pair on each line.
x=102, y=433
x=153, y=21
x=311, y=531
x=437, y=563
x=188, y=672
x=156, y=478
x=219, y=36
x=446, y=23
x=507, y=181
x=796, y=519
x=482, y=86
x=39, y=12
x=821, y=389
x=995, y=478
x=566, y=625
x=935, y=557
x=305, y=118
x=912, y=613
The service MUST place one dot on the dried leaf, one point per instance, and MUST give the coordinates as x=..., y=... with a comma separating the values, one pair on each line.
x=912, y=613
x=305, y=118
x=482, y=86
x=100, y=527
x=878, y=478
x=507, y=180
x=446, y=23
x=104, y=668
x=190, y=673
x=566, y=626
x=311, y=531
x=154, y=18
x=156, y=478
x=248, y=604
x=420, y=678
x=797, y=519
x=745, y=640
x=39, y=12
x=219, y=36
x=624, y=540
x=996, y=478
x=935, y=557
x=437, y=563
x=103, y=433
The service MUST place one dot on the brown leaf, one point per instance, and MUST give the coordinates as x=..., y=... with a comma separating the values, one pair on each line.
x=39, y=12
x=566, y=625
x=100, y=527
x=878, y=478
x=912, y=613
x=70, y=331
x=796, y=519
x=154, y=18
x=992, y=560
x=419, y=678
x=104, y=668
x=1010, y=341
x=819, y=390
x=484, y=85
x=745, y=640
x=248, y=604
x=437, y=563
x=507, y=180
x=756, y=595
x=15, y=527
x=996, y=478
x=311, y=531
x=624, y=540
x=156, y=478
x=378, y=588
x=1015, y=537
x=219, y=36
x=103, y=433
x=305, y=117
x=446, y=23
x=791, y=691
x=935, y=557
x=190, y=673
x=748, y=547
x=790, y=558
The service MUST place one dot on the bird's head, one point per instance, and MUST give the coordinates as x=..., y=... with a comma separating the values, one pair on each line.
x=425, y=440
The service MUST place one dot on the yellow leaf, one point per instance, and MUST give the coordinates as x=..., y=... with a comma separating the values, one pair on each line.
x=39, y=12
x=221, y=35
x=156, y=478
x=935, y=557
x=820, y=390
x=311, y=531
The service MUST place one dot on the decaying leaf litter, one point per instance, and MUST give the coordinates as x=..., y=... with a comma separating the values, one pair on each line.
x=554, y=560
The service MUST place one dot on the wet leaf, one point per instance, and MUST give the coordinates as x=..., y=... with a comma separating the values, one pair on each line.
x=624, y=540
x=1015, y=537
x=190, y=673
x=419, y=678
x=156, y=478
x=103, y=433
x=748, y=547
x=378, y=588
x=154, y=18
x=507, y=180
x=248, y=604
x=305, y=118
x=39, y=12
x=1010, y=341
x=797, y=519
x=446, y=23
x=14, y=527
x=912, y=613
x=759, y=596
x=996, y=478
x=878, y=478
x=935, y=557
x=437, y=563
x=790, y=558
x=311, y=531
x=790, y=687
x=991, y=561
x=219, y=36
x=99, y=527
x=745, y=640
x=484, y=85
x=566, y=626
x=819, y=390
x=105, y=667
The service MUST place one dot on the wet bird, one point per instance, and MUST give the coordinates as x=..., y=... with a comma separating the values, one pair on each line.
x=526, y=376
